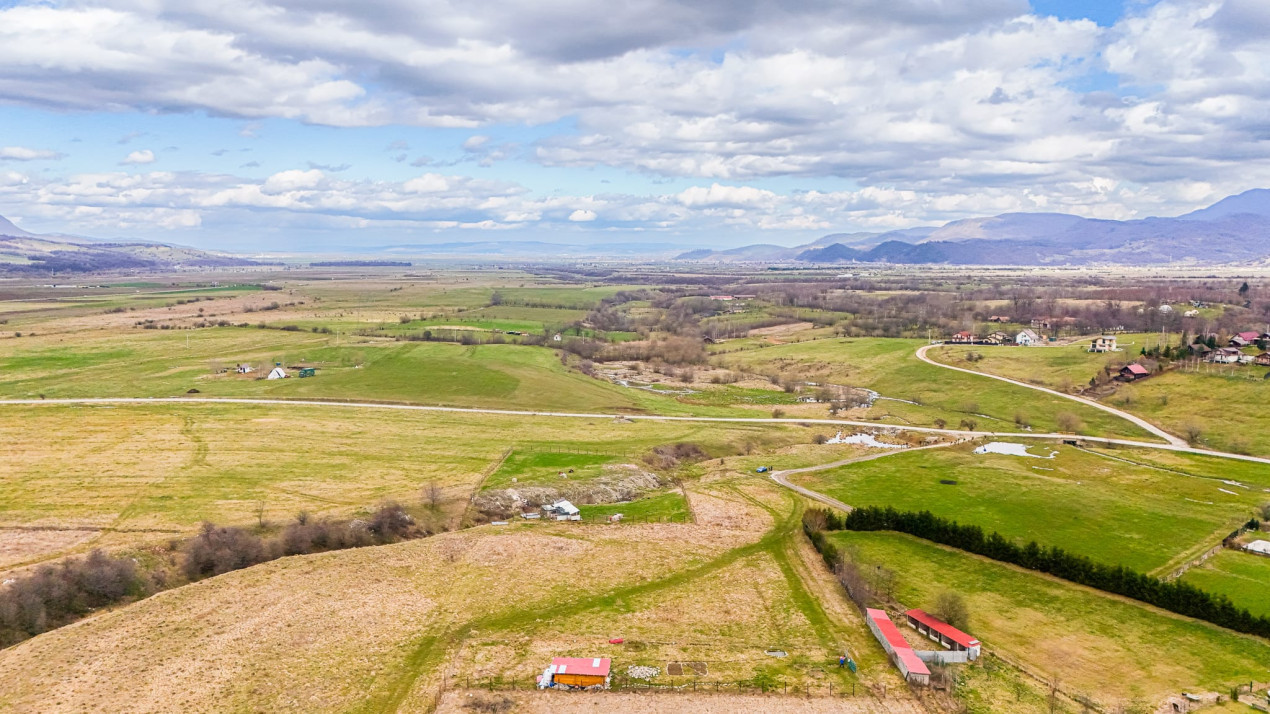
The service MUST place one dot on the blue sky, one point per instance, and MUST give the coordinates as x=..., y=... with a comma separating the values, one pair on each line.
x=269, y=125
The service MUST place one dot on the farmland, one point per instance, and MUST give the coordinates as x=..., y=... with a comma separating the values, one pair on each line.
x=1060, y=501
x=1240, y=576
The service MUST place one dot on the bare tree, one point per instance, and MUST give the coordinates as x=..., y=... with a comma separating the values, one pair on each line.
x=432, y=495
x=951, y=608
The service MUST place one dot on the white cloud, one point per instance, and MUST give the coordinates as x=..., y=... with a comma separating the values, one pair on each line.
x=582, y=215
x=142, y=156
x=22, y=153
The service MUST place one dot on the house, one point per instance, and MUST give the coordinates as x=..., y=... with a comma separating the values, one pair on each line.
x=1131, y=372
x=1027, y=338
x=997, y=338
x=963, y=338
x=277, y=373
x=1243, y=339
x=1262, y=359
x=1228, y=355
x=943, y=633
x=1106, y=343
x=1199, y=349
x=999, y=318
x=563, y=511
x=1041, y=323
x=576, y=672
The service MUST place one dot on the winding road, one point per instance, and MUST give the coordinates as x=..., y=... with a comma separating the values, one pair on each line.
x=1175, y=441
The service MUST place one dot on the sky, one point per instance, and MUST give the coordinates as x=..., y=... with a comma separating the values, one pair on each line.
x=327, y=124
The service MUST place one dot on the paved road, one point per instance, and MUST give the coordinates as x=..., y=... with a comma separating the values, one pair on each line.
x=958, y=433
x=780, y=476
x=1175, y=441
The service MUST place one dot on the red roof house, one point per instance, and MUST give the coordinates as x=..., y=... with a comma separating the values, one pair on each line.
x=580, y=671
x=1133, y=371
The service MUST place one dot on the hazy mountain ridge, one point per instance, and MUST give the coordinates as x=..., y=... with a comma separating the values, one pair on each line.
x=1235, y=229
x=25, y=252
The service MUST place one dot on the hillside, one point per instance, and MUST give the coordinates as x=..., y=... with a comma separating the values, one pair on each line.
x=25, y=252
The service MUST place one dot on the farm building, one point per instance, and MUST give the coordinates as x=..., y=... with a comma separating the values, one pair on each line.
x=905, y=659
x=1228, y=355
x=943, y=633
x=1260, y=547
x=1262, y=359
x=1133, y=371
x=576, y=672
x=997, y=338
x=563, y=511
x=999, y=318
x=1105, y=343
x=964, y=338
x=1027, y=338
x=1243, y=339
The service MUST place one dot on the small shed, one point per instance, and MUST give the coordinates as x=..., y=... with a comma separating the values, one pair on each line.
x=577, y=672
x=277, y=373
x=943, y=633
x=1130, y=372
x=1260, y=547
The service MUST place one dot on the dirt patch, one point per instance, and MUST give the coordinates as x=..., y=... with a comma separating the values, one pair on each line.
x=778, y=330
x=462, y=702
x=20, y=546
x=622, y=482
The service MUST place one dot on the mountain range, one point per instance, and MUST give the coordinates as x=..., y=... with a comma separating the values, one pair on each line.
x=1235, y=229
x=24, y=252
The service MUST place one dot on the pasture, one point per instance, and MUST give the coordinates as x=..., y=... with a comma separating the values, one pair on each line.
x=1242, y=577
x=1109, y=510
x=1119, y=651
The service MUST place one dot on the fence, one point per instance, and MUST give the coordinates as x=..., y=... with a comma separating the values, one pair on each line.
x=685, y=685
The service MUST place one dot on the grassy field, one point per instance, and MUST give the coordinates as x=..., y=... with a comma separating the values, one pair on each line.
x=889, y=367
x=376, y=629
x=132, y=474
x=1243, y=577
x=1111, y=511
x=1118, y=650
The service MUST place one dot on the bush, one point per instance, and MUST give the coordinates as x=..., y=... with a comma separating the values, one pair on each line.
x=216, y=550
x=55, y=595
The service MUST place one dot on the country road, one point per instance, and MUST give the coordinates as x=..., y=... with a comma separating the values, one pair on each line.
x=211, y=401
x=1175, y=441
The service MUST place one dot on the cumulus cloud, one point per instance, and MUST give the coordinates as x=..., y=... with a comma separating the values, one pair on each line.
x=142, y=156
x=582, y=215
x=22, y=153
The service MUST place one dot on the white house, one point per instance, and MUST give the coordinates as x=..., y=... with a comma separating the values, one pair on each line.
x=277, y=373
x=563, y=511
x=1026, y=338
x=1106, y=343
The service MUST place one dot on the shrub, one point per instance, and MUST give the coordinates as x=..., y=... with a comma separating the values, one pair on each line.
x=54, y=595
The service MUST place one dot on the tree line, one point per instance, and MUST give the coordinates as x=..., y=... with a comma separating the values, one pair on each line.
x=1174, y=596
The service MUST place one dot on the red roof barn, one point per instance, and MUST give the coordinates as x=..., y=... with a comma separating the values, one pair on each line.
x=1133, y=371
x=942, y=632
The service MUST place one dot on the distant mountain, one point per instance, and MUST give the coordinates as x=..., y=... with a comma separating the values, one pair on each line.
x=1235, y=229
x=25, y=252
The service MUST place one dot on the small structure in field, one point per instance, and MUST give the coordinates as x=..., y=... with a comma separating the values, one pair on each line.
x=1228, y=355
x=277, y=373
x=1260, y=547
x=997, y=338
x=1243, y=339
x=308, y=372
x=1262, y=359
x=1027, y=338
x=563, y=511
x=999, y=318
x=245, y=369
x=1105, y=343
x=963, y=338
x=905, y=659
x=943, y=633
x=1131, y=372
x=576, y=673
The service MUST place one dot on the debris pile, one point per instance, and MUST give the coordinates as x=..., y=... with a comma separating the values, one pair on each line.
x=641, y=672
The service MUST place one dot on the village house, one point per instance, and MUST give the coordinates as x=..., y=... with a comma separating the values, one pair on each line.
x=996, y=338
x=1228, y=355
x=1027, y=338
x=963, y=338
x=1262, y=359
x=1041, y=323
x=1243, y=339
x=1131, y=372
x=1105, y=343
x=999, y=318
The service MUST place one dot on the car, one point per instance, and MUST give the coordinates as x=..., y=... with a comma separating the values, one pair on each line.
x=762, y=469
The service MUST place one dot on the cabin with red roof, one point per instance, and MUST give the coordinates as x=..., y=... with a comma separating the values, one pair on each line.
x=963, y=338
x=1130, y=372
x=943, y=633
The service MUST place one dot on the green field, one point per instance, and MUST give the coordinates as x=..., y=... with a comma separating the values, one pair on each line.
x=1089, y=641
x=668, y=506
x=1243, y=577
x=1111, y=511
x=890, y=367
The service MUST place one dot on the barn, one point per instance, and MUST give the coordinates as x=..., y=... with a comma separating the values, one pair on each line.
x=577, y=672
x=943, y=633
x=1133, y=371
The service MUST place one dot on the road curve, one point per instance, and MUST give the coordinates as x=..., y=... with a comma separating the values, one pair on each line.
x=203, y=401
x=780, y=476
x=1175, y=441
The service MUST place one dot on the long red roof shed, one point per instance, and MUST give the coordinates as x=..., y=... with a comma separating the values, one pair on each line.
x=597, y=666
x=903, y=651
x=1136, y=368
x=943, y=628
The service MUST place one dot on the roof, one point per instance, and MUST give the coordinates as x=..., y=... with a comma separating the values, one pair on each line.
x=597, y=667
x=1136, y=368
x=943, y=628
x=1260, y=546
x=912, y=662
x=903, y=651
x=1250, y=336
x=565, y=507
x=963, y=333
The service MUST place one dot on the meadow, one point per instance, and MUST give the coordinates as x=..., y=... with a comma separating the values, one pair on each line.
x=1112, y=511
x=1120, y=652
x=919, y=394
x=1242, y=577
